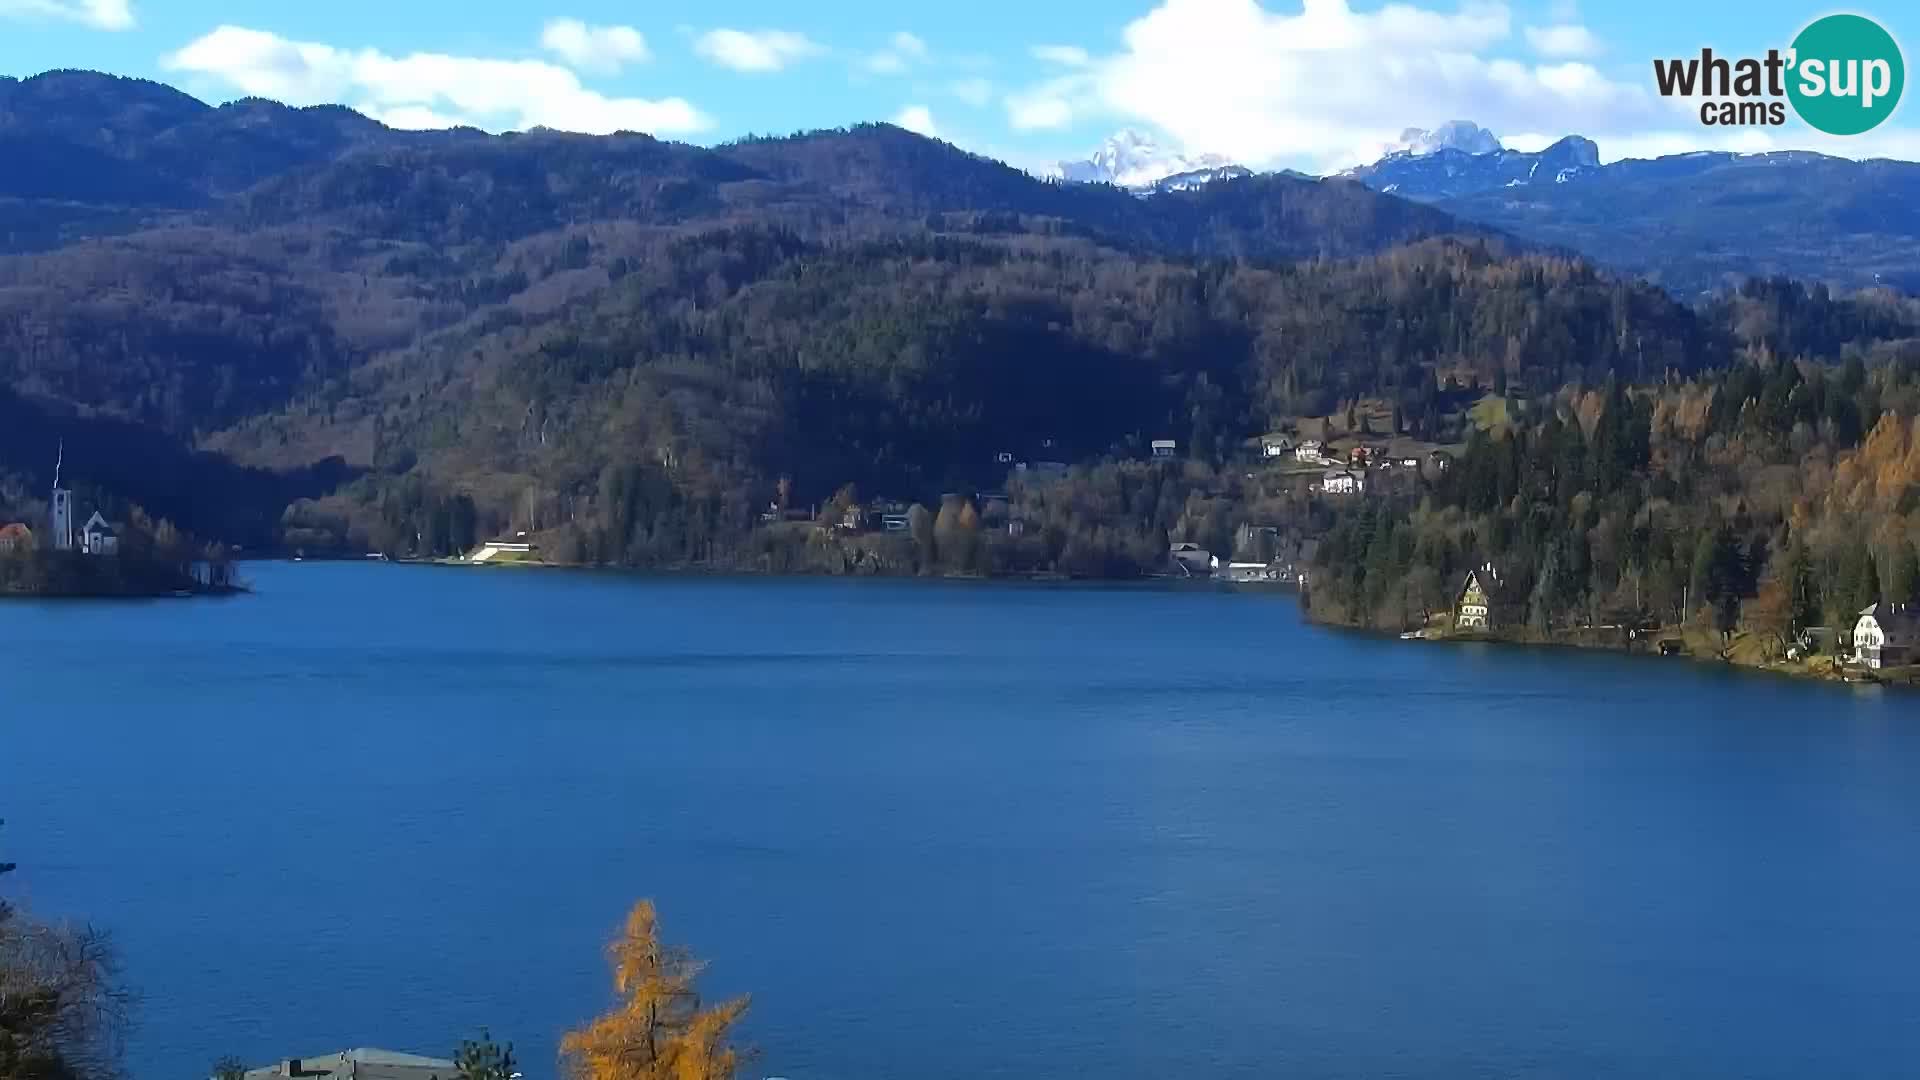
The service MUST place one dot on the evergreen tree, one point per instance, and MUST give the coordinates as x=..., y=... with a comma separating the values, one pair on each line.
x=1903, y=573
x=1803, y=587
x=1859, y=583
x=1541, y=604
x=483, y=1059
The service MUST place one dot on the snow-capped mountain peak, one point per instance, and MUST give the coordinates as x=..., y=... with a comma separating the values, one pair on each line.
x=1449, y=171
x=1135, y=160
x=1462, y=135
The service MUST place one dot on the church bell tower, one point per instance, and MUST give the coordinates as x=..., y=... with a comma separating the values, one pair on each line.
x=60, y=509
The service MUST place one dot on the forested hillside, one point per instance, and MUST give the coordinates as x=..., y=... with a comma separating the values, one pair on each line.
x=506, y=317
x=733, y=358
x=647, y=352
x=1775, y=495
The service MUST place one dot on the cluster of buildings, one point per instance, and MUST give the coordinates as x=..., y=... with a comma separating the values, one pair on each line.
x=96, y=537
x=1364, y=466
x=1356, y=472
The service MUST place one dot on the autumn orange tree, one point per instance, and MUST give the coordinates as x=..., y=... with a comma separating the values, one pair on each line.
x=659, y=1031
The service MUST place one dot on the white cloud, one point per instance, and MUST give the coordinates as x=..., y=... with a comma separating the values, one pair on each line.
x=917, y=119
x=975, y=92
x=99, y=14
x=1064, y=55
x=755, y=50
x=903, y=51
x=415, y=118
x=1320, y=85
x=594, y=48
x=1568, y=40
x=424, y=89
x=1039, y=111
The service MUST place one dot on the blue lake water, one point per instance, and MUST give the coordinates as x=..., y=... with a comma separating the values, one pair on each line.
x=958, y=831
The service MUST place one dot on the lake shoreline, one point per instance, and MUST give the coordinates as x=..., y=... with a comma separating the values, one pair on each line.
x=130, y=594
x=138, y=572
x=1817, y=669
x=1820, y=669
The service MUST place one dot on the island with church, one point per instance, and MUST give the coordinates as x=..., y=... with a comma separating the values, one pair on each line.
x=130, y=555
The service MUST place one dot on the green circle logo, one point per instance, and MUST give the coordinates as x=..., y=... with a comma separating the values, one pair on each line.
x=1847, y=74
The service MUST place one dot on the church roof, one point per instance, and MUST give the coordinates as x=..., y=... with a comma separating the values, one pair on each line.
x=1892, y=615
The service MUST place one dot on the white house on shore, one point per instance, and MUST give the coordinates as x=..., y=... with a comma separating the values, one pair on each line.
x=1886, y=635
x=1473, y=608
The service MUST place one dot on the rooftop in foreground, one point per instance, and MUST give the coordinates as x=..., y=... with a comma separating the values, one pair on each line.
x=363, y=1064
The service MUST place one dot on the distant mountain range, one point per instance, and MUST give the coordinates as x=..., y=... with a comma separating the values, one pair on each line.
x=1694, y=223
x=1141, y=164
x=1457, y=158
x=1446, y=170
x=89, y=154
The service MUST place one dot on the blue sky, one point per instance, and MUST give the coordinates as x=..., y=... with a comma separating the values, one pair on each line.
x=1311, y=84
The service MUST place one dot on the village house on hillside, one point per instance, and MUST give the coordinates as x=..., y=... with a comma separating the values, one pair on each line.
x=16, y=537
x=1886, y=635
x=1273, y=446
x=1480, y=604
x=1343, y=482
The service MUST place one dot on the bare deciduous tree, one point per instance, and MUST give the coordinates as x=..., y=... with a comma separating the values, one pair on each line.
x=63, y=1009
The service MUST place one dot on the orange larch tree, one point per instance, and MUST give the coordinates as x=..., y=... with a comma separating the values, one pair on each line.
x=659, y=1031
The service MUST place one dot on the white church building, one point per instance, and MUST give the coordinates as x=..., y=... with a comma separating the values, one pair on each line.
x=96, y=537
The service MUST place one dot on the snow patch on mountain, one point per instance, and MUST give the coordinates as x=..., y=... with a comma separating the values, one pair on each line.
x=1193, y=179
